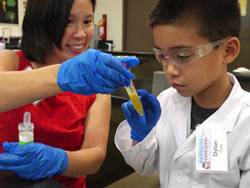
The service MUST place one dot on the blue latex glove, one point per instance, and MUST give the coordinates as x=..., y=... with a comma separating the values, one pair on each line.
x=95, y=72
x=142, y=125
x=33, y=161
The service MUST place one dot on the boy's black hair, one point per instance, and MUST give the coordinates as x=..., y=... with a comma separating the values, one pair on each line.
x=43, y=27
x=214, y=19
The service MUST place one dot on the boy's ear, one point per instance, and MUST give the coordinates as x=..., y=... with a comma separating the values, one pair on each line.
x=231, y=49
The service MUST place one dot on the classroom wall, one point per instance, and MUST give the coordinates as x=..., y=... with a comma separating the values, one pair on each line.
x=243, y=59
x=137, y=34
x=114, y=11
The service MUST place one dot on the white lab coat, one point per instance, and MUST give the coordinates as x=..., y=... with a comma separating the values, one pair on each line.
x=170, y=150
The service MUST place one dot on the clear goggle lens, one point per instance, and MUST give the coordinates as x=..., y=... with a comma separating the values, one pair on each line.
x=185, y=56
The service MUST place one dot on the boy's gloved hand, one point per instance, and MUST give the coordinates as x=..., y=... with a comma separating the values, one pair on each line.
x=95, y=72
x=141, y=126
x=33, y=161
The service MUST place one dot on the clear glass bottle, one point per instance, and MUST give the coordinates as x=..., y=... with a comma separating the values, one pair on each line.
x=26, y=130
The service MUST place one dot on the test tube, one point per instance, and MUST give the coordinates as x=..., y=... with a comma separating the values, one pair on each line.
x=25, y=129
x=134, y=98
x=133, y=95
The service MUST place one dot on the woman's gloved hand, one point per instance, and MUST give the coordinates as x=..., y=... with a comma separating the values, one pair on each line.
x=95, y=72
x=33, y=161
x=142, y=125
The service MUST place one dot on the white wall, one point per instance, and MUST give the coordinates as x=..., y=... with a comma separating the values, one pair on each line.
x=16, y=29
x=114, y=11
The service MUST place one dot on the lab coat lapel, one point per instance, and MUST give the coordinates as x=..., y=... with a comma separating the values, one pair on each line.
x=187, y=146
x=181, y=122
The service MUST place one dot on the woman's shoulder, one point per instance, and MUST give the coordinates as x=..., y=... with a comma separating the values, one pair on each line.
x=9, y=60
x=24, y=63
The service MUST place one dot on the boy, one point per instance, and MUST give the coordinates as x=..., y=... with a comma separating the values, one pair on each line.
x=194, y=41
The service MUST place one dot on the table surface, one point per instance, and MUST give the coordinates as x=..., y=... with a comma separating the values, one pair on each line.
x=11, y=180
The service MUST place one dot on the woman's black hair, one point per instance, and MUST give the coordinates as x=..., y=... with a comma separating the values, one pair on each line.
x=43, y=27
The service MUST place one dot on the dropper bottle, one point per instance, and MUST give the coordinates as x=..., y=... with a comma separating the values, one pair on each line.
x=26, y=130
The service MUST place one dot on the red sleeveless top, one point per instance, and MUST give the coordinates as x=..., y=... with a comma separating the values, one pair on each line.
x=58, y=122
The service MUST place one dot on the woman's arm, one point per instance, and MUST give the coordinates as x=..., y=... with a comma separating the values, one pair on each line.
x=18, y=88
x=75, y=75
x=90, y=157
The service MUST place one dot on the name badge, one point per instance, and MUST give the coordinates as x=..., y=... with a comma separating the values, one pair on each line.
x=211, y=149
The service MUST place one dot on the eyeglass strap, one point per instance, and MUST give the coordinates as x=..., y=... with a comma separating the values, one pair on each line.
x=218, y=42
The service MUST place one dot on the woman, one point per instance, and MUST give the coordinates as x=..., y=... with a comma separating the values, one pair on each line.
x=46, y=28
x=71, y=130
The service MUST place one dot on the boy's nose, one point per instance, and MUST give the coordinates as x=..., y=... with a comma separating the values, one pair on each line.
x=171, y=69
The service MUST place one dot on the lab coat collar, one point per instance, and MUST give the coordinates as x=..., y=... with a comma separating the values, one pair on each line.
x=224, y=117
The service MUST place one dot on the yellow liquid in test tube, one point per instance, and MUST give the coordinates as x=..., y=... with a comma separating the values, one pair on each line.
x=134, y=98
x=133, y=94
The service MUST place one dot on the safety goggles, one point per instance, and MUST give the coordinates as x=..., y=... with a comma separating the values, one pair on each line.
x=185, y=56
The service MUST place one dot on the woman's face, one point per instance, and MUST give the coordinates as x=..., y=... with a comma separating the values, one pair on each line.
x=79, y=31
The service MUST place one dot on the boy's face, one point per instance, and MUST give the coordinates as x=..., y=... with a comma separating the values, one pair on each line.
x=204, y=75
